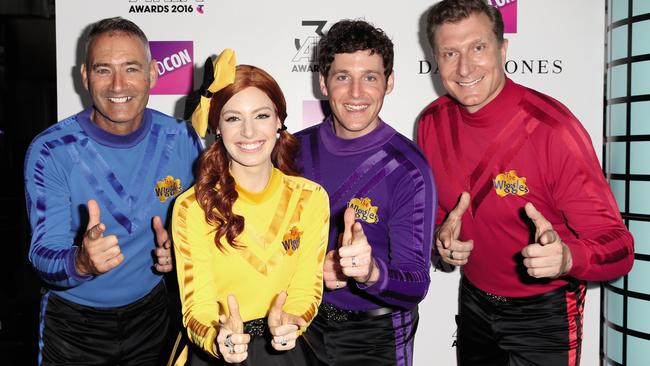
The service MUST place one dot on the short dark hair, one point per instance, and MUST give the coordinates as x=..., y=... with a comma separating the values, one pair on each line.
x=115, y=25
x=349, y=36
x=452, y=11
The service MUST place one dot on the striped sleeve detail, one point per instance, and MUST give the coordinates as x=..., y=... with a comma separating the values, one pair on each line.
x=201, y=331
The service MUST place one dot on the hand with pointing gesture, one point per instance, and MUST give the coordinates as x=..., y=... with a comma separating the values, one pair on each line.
x=355, y=253
x=97, y=253
x=549, y=256
x=163, y=251
x=283, y=326
x=452, y=250
x=231, y=341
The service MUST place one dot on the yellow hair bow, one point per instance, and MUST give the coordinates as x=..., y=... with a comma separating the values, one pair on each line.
x=224, y=75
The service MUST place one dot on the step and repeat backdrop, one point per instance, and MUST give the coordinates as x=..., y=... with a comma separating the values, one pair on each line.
x=556, y=47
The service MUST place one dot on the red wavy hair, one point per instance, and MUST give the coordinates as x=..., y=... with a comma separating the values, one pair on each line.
x=215, y=186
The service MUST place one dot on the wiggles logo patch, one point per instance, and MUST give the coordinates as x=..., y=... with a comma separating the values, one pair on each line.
x=168, y=187
x=509, y=183
x=364, y=210
x=291, y=240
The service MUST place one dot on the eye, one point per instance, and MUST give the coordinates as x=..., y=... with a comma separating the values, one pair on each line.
x=231, y=119
x=131, y=69
x=102, y=71
x=262, y=116
x=371, y=78
x=479, y=47
x=342, y=77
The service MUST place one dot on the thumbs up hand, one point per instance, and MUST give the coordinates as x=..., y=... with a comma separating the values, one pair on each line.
x=549, y=256
x=452, y=250
x=97, y=253
x=355, y=253
x=283, y=326
x=231, y=341
x=163, y=251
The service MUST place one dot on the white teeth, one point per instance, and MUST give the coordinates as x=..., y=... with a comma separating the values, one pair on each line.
x=470, y=83
x=120, y=99
x=354, y=107
x=252, y=146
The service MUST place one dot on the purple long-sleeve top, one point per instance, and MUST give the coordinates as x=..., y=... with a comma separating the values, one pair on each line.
x=385, y=178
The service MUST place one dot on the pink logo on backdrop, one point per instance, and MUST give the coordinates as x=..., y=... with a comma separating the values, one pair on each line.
x=175, y=65
x=508, y=9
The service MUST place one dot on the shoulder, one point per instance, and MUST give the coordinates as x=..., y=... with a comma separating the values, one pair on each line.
x=172, y=124
x=304, y=184
x=555, y=118
x=62, y=133
x=307, y=132
x=186, y=204
x=436, y=106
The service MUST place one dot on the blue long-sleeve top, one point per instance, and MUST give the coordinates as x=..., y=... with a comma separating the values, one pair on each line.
x=132, y=177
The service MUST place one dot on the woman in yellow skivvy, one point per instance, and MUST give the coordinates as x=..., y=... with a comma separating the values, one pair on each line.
x=250, y=236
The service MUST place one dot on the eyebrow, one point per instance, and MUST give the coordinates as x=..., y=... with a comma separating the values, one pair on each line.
x=254, y=111
x=106, y=64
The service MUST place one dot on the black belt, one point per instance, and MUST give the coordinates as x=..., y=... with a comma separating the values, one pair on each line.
x=504, y=300
x=331, y=312
x=255, y=327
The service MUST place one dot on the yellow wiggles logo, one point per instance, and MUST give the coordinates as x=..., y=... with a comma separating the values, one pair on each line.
x=364, y=210
x=291, y=240
x=168, y=187
x=509, y=183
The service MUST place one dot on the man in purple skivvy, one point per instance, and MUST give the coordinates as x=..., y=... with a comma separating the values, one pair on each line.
x=382, y=200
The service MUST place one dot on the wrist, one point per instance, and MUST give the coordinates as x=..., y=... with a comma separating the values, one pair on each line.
x=370, y=279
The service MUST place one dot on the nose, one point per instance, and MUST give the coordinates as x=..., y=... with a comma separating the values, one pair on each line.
x=355, y=88
x=465, y=65
x=248, y=128
x=117, y=82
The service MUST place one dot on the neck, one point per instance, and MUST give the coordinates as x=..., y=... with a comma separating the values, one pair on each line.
x=114, y=127
x=252, y=179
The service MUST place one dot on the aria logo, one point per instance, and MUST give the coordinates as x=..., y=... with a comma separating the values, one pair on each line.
x=175, y=65
x=304, y=60
x=508, y=9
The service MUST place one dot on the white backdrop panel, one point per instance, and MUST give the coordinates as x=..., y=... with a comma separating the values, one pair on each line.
x=558, y=49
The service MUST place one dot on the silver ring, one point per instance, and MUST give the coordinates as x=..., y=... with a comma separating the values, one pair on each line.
x=354, y=261
x=451, y=254
x=283, y=341
x=228, y=343
x=338, y=285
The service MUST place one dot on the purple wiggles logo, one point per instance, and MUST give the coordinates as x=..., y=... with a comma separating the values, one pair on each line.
x=175, y=66
x=508, y=9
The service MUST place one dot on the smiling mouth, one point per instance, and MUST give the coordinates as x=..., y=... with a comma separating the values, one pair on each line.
x=252, y=146
x=356, y=107
x=119, y=100
x=470, y=83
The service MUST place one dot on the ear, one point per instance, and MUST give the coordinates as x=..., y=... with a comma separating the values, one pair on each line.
x=323, y=84
x=84, y=75
x=390, y=82
x=153, y=74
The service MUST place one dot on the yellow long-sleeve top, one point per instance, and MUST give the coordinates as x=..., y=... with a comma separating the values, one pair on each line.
x=284, y=241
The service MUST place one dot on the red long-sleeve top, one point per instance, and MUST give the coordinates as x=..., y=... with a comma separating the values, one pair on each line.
x=523, y=147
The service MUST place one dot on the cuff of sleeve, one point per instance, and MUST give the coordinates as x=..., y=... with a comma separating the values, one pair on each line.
x=71, y=268
x=579, y=258
x=211, y=342
x=381, y=284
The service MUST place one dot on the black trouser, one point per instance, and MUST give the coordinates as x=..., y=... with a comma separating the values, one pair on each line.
x=539, y=330
x=134, y=334
x=364, y=339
